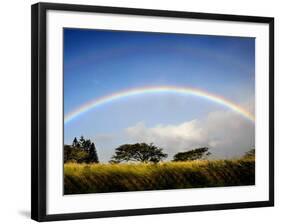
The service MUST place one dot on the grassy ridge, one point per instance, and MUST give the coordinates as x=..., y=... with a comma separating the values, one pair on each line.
x=98, y=178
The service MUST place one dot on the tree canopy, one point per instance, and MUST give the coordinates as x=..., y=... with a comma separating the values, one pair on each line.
x=139, y=152
x=82, y=151
x=93, y=156
x=194, y=154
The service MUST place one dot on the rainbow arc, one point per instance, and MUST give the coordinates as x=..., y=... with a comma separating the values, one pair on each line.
x=90, y=105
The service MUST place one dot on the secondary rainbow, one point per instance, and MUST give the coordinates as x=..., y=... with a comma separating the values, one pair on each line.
x=157, y=90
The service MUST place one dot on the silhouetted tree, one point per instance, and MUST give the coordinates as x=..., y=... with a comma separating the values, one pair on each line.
x=75, y=143
x=82, y=151
x=87, y=144
x=194, y=154
x=93, y=156
x=75, y=155
x=139, y=152
x=82, y=142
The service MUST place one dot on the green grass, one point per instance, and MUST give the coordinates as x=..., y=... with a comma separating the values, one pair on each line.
x=100, y=178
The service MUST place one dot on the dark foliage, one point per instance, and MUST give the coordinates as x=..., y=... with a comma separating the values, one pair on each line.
x=75, y=143
x=75, y=154
x=194, y=154
x=93, y=156
x=139, y=152
x=82, y=151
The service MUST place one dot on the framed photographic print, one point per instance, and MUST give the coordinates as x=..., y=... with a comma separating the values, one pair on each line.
x=138, y=111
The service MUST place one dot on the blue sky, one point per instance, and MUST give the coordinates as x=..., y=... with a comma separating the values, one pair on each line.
x=99, y=62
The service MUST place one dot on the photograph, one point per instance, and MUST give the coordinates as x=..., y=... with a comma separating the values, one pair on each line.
x=150, y=111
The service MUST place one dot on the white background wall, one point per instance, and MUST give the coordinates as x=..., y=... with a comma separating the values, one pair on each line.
x=15, y=110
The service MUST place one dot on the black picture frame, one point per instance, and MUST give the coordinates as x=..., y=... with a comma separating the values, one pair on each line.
x=38, y=108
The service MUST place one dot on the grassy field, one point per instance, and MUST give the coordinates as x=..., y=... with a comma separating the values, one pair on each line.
x=100, y=178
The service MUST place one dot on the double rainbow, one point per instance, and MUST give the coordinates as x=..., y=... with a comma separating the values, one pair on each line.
x=155, y=90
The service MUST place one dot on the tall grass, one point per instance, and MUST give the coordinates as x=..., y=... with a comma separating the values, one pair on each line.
x=98, y=178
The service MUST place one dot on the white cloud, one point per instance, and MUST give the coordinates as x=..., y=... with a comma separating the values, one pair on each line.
x=226, y=133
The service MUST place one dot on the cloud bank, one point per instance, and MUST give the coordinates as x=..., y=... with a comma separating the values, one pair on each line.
x=226, y=133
